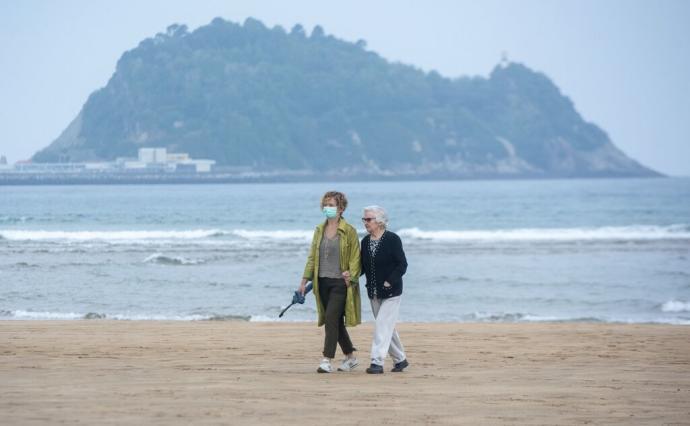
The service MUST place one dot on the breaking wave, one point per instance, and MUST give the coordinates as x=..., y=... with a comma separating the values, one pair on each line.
x=676, y=306
x=274, y=235
x=144, y=236
x=43, y=315
x=609, y=233
x=161, y=259
x=107, y=235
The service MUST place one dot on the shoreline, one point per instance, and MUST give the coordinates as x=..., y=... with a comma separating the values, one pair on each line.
x=19, y=179
x=215, y=372
x=249, y=319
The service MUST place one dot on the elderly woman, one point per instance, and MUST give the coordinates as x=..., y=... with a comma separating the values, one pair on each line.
x=384, y=263
x=333, y=266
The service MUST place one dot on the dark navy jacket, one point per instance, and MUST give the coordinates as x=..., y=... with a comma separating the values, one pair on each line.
x=389, y=265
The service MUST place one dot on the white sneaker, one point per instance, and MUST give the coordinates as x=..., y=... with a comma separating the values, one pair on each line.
x=325, y=366
x=348, y=364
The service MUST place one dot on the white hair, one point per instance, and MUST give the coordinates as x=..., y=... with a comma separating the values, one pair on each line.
x=380, y=214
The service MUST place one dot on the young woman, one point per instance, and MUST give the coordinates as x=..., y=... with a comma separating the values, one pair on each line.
x=333, y=266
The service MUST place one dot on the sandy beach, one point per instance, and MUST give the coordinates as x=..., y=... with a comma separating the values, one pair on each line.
x=148, y=372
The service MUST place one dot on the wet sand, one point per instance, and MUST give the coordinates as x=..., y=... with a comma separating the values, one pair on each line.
x=150, y=372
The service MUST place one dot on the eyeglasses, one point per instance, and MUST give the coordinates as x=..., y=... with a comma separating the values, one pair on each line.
x=368, y=219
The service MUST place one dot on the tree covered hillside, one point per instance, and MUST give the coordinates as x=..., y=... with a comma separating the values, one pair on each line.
x=268, y=99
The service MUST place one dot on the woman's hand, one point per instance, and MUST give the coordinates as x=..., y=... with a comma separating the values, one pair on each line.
x=386, y=284
x=302, y=286
x=346, y=277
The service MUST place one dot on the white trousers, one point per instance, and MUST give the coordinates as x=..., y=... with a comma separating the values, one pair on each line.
x=386, y=339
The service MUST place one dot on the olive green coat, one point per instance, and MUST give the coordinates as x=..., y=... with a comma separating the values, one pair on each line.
x=349, y=261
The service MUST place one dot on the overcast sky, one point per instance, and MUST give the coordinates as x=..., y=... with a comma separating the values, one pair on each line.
x=625, y=64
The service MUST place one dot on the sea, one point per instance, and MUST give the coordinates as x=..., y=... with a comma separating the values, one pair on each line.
x=572, y=250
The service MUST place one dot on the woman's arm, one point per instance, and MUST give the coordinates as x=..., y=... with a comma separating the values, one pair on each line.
x=308, y=273
x=355, y=264
x=362, y=256
x=399, y=260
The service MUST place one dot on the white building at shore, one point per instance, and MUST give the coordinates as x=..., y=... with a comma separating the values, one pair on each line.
x=161, y=159
x=148, y=160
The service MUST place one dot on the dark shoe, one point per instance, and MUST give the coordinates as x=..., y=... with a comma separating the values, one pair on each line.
x=375, y=369
x=400, y=366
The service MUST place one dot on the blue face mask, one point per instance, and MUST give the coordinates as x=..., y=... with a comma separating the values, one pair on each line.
x=330, y=212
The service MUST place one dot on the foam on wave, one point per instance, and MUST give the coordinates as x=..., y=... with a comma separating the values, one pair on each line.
x=610, y=233
x=274, y=235
x=41, y=235
x=676, y=306
x=162, y=259
x=47, y=315
x=615, y=233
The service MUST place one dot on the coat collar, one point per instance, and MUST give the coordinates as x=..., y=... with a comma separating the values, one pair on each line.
x=342, y=225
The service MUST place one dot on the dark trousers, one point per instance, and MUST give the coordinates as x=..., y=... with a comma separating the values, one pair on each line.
x=333, y=293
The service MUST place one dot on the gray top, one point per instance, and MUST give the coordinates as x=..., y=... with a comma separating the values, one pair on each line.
x=329, y=257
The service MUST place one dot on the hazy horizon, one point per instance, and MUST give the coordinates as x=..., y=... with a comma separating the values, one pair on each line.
x=623, y=64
